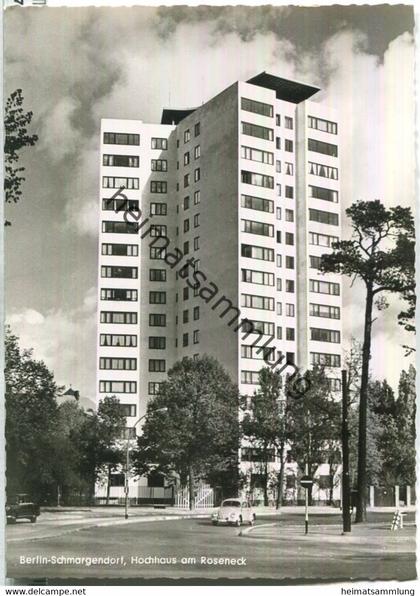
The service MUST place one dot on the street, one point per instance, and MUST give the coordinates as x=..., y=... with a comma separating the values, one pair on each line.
x=274, y=549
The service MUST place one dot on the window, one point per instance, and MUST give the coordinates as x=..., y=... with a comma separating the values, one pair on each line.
x=186, y=225
x=290, y=310
x=324, y=217
x=157, y=253
x=327, y=335
x=185, y=316
x=290, y=286
x=158, y=186
x=185, y=340
x=159, y=165
x=278, y=120
x=325, y=311
x=333, y=385
x=262, y=327
x=186, y=293
x=260, y=132
x=290, y=216
x=323, y=125
x=322, y=239
x=196, y=242
x=118, y=341
x=118, y=294
x=317, y=358
x=256, y=227
x=257, y=179
x=186, y=180
x=257, y=155
x=196, y=313
x=278, y=260
x=288, y=122
x=314, y=262
x=157, y=365
x=290, y=357
x=128, y=410
x=196, y=220
x=187, y=135
x=278, y=190
x=157, y=231
x=126, y=250
x=196, y=336
x=186, y=158
x=158, y=209
x=257, y=252
x=186, y=203
x=279, y=308
x=158, y=143
x=249, y=377
x=257, y=277
x=157, y=343
x=288, y=145
x=279, y=284
x=122, y=161
x=321, y=147
x=157, y=297
x=289, y=168
x=129, y=318
x=197, y=197
x=257, y=352
x=278, y=166
x=119, y=227
x=278, y=236
x=257, y=204
x=290, y=262
x=118, y=363
x=278, y=213
x=154, y=388
x=196, y=129
x=317, y=169
x=279, y=333
x=260, y=302
x=278, y=143
x=325, y=194
x=290, y=334
x=119, y=272
x=186, y=247
x=120, y=182
x=196, y=174
x=197, y=152
x=118, y=387
x=121, y=138
x=256, y=107
x=324, y=287
x=157, y=274
x=156, y=320
x=289, y=192
x=290, y=238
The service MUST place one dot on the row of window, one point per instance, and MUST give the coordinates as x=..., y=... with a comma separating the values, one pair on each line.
x=318, y=358
x=257, y=179
x=120, y=182
x=256, y=227
x=256, y=107
x=322, y=125
x=119, y=294
x=322, y=239
x=187, y=177
x=197, y=154
x=187, y=132
x=257, y=277
x=324, y=217
x=257, y=155
x=119, y=272
x=121, y=161
x=325, y=311
x=118, y=363
x=326, y=335
x=120, y=205
x=126, y=250
x=324, y=287
x=259, y=302
x=197, y=199
x=122, y=138
x=318, y=169
x=186, y=314
x=322, y=147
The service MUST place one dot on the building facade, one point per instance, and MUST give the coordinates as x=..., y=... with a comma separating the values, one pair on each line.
x=211, y=228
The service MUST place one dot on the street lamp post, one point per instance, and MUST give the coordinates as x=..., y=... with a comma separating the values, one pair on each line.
x=127, y=457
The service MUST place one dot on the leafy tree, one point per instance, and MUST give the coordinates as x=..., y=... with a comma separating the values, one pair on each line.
x=264, y=427
x=98, y=439
x=198, y=434
x=16, y=122
x=373, y=255
x=314, y=424
x=31, y=414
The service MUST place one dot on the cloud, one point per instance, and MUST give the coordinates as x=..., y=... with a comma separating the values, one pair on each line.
x=64, y=340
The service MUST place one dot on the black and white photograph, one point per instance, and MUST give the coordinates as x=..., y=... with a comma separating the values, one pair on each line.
x=209, y=289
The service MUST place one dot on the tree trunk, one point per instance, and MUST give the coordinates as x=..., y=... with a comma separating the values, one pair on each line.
x=331, y=489
x=361, y=460
x=191, y=487
x=266, y=482
x=280, y=479
x=108, y=486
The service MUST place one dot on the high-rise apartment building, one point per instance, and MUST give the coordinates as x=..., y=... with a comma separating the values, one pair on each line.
x=223, y=215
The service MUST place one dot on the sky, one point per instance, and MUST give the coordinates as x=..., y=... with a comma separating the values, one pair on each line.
x=78, y=65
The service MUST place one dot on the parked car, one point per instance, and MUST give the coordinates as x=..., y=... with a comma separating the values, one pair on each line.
x=235, y=512
x=21, y=507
